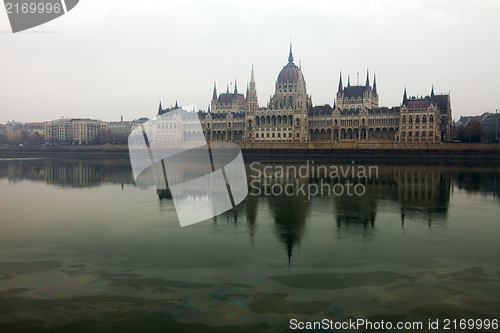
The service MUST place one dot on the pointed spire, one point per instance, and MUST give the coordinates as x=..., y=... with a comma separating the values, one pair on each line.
x=247, y=91
x=235, y=87
x=160, y=108
x=340, y=83
x=227, y=89
x=301, y=87
x=290, y=56
x=214, y=96
x=405, y=97
x=176, y=106
x=432, y=91
x=374, y=85
x=348, y=80
x=252, y=93
x=367, y=79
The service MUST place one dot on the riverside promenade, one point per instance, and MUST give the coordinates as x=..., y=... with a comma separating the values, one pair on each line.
x=280, y=151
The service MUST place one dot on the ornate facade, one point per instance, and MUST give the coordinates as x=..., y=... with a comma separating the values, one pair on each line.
x=291, y=117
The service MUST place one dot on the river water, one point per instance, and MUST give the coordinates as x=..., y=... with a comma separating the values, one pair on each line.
x=83, y=248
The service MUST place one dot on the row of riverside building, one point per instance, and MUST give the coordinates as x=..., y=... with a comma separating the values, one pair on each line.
x=70, y=130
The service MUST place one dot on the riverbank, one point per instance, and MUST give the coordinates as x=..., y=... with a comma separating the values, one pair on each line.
x=284, y=151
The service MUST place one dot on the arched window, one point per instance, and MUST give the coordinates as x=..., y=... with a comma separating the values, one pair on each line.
x=290, y=101
x=298, y=122
x=431, y=119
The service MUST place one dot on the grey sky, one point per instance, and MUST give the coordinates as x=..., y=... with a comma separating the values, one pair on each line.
x=105, y=59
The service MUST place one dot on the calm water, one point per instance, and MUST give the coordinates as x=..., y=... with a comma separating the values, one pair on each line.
x=82, y=248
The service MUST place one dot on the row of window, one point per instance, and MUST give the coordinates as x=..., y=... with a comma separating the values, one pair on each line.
x=274, y=135
x=417, y=119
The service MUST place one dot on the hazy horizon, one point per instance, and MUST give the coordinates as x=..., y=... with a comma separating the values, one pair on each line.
x=120, y=58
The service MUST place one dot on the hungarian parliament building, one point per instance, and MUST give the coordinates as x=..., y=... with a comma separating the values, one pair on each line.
x=290, y=115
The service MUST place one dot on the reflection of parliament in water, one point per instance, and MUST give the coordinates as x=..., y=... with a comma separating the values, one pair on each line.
x=422, y=194
x=419, y=193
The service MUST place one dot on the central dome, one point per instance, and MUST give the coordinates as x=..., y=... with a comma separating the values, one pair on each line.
x=289, y=73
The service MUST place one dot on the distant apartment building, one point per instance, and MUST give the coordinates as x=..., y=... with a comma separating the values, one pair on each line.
x=33, y=128
x=8, y=131
x=490, y=123
x=124, y=128
x=73, y=131
x=120, y=128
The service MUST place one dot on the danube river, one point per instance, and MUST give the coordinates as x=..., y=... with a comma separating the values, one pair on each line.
x=83, y=248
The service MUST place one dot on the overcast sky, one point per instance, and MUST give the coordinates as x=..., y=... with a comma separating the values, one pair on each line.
x=106, y=59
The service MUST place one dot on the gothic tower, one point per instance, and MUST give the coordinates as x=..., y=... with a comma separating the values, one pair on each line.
x=251, y=109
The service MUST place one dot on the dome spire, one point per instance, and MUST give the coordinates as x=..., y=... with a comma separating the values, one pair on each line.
x=290, y=56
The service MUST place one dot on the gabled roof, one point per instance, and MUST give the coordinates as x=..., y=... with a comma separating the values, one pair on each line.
x=228, y=98
x=441, y=101
x=419, y=103
x=354, y=91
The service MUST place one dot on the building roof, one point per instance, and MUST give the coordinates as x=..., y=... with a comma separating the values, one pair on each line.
x=442, y=101
x=228, y=98
x=354, y=91
x=421, y=103
x=321, y=110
